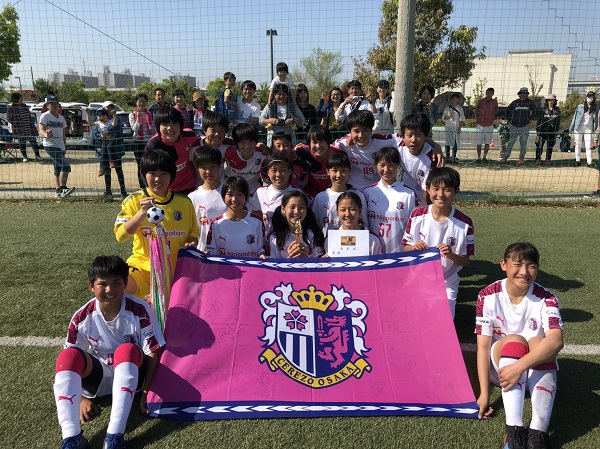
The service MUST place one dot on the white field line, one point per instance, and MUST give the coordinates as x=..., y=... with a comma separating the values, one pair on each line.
x=466, y=347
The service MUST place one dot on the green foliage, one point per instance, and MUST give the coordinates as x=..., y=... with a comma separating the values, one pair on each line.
x=99, y=95
x=168, y=85
x=567, y=107
x=319, y=72
x=478, y=93
x=42, y=86
x=10, y=52
x=214, y=88
x=262, y=94
x=444, y=56
x=73, y=92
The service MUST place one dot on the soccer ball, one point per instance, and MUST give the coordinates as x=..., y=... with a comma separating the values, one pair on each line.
x=155, y=215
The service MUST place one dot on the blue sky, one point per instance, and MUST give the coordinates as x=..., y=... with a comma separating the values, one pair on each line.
x=206, y=38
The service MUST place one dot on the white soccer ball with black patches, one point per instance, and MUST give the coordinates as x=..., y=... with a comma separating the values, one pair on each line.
x=155, y=215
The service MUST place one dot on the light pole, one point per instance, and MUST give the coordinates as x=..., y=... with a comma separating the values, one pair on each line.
x=271, y=33
x=20, y=87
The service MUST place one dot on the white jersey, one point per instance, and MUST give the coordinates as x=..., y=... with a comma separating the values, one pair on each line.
x=363, y=172
x=375, y=245
x=456, y=231
x=57, y=124
x=246, y=111
x=325, y=209
x=497, y=316
x=274, y=252
x=209, y=206
x=416, y=169
x=266, y=200
x=389, y=208
x=135, y=323
x=242, y=238
x=247, y=169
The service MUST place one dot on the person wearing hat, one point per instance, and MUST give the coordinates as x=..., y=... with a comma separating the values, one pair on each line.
x=547, y=128
x=583, y=126
x=52, y=126
x=519, y=113
x=384, y=122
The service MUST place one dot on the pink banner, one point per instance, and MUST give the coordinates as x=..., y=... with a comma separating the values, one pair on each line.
x=248, y=338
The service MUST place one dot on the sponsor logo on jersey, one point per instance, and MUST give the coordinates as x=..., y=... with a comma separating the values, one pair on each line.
x=314, y=337
x=533, y=324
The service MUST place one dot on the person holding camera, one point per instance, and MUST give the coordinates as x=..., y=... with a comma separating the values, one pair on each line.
x=353, y=102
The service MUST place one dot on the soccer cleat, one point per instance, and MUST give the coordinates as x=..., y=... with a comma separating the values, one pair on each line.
x=114, y=441
x=66, y=191
x=76, y=442
x=515, y=437
x=536, y=439
x=521, y=161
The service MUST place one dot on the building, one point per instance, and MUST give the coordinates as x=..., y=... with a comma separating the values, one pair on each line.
x=548, y=71
x=88, y=80
x=123, y=80
x=190, y=80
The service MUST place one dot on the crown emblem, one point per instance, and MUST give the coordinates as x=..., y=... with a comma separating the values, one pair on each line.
x=313, y=299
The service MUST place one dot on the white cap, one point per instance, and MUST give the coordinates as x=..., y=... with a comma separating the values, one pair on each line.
x=107, y=103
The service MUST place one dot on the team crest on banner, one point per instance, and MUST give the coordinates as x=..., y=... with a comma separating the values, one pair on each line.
x=313, y=337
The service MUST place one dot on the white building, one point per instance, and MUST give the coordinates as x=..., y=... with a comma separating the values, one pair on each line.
x=508, y=74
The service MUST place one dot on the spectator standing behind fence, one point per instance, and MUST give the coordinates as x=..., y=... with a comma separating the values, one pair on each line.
x=504, y=132
x=425, y=105
x=159, y=97
x=454, y=118
x=353, y=102
x=583, y=125
x=198, y=110
x=142, y=129
x=384, y=122
x=281, y=115
x=485, y=112
x=115, y=151
x=52, y=126
x=23, y=126
x=519, y=113
x=248, y=109
x=547, y=129
x=186, y=110
x=308, y=111
x=327, y=106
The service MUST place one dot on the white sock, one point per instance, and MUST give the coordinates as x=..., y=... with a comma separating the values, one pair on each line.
x=513, y=398
x=124, y=385
x=67, y=394
x=542, y=386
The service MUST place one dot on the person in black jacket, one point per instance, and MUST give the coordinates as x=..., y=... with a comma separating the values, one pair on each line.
x=547, y=128
x=519, y=113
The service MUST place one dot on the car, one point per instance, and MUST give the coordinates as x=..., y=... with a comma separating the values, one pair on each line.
x=77, y=133
x=123, y=116
x=100, y=106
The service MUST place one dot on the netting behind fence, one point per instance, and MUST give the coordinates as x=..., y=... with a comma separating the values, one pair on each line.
x=90, y=52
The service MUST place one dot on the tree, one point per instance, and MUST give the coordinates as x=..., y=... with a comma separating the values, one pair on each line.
x=73, y=92
x=319, y=72
x=444, y=56
x=42, y=87
x=567, y=107
x=213, y=89
x=533, y=73
x=9, y=41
